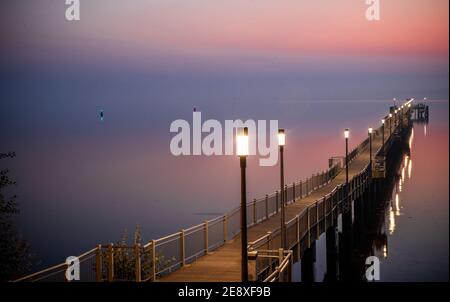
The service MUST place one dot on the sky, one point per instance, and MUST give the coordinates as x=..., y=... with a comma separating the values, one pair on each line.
x=313, y=42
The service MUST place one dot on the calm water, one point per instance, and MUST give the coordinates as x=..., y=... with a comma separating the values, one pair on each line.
x=83, y=181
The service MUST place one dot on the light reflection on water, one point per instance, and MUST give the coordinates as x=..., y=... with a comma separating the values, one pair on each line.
x=415, y=220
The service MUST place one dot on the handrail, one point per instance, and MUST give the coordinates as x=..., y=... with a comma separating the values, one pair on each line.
x=282, y=267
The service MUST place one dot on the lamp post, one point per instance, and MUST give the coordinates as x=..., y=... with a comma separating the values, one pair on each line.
x=370, y=146
x=401, y=116
x=281, y=143
x=242, y=152
x=395, y=120
x=382, y=133
x=409, y=113
x=346, y=135
x=390, y=124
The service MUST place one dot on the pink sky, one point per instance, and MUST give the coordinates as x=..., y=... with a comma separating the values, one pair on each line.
x=201, y=27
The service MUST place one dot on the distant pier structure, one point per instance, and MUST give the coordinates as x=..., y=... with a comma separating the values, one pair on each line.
x=419, y=112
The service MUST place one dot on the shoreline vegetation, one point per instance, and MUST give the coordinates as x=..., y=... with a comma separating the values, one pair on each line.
x=16, y=257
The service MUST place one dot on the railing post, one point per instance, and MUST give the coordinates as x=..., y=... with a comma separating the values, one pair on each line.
x=137, y=256
x=110, y=263
x=67, y=265
x=153, y=251
x=285, y=195
x=225, y=228
x=297, y=220
x=301, y=190
x=277, y=198
x=306, y=187
x=293, y=192
x=182, y=248
x=252, y=267
x=333, y=200
x=267, y=206
x=269, y=240
x=290, y=267
x=206, y=237
x=254, y=211
x=280, y=256
x=98, y=264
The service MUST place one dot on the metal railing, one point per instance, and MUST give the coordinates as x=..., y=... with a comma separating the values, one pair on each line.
x=305, y=225
x=272, y=266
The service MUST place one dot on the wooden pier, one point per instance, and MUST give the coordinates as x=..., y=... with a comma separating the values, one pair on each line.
x=211, y=251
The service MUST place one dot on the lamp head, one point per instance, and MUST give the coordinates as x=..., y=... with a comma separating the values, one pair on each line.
x=281, y=137
x=370, y=130
x=242, y=142
x=346, y=133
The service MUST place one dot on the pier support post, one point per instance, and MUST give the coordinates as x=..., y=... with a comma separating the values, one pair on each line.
x=308, y=219
x=331, y=255
x=307, y=263
x=317, y=220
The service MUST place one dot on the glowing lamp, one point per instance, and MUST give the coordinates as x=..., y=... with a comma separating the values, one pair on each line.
x=281, y=137
x=242, y=142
